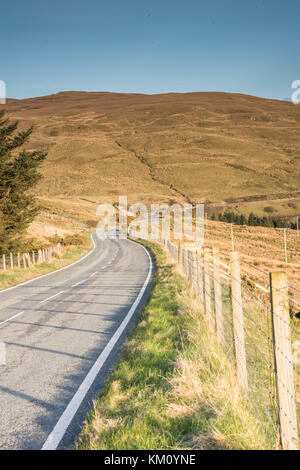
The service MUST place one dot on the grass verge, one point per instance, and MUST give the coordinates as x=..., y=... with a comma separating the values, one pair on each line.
x=173, y=387
x=71, y=254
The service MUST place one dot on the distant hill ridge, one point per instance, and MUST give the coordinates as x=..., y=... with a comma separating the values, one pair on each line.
x=201, y=146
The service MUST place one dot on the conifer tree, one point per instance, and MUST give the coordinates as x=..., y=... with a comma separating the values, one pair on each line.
x=18, y=176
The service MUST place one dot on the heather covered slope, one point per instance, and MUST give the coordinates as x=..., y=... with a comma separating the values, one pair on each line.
x=217, y=147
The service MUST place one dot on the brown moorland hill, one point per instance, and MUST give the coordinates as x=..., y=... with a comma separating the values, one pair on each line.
x=219, y=148
x=222, y=148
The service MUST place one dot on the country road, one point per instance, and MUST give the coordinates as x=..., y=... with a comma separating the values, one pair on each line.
x=63, y=333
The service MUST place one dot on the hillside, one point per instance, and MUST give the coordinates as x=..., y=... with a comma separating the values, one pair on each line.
x=221, y=148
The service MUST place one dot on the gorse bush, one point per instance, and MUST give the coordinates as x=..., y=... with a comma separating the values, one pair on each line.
x=32, y=244
x=74, y=240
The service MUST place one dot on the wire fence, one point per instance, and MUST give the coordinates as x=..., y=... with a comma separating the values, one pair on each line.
x=254, y=315
x=27, y=260
x=269, y=248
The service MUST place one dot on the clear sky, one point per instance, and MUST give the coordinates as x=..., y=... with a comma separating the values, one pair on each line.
x=158, y=46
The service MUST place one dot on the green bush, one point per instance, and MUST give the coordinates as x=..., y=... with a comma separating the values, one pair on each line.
x=69, y=240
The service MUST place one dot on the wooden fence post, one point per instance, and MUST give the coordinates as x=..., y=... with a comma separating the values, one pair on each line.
x=190, y=253
x=195, y=270
x=191, y=265
x=28, y=260
x=186, y=253
x=218, y=296
x=283, y=361
x=200, y=276
x=238, y=321
x=188, y=263
x=11, y=260
x=207, y=289
x=4, y=262
x=179, y=253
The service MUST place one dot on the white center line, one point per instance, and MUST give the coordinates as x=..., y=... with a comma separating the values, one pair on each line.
x=67, y=416
x=52, y=297
x=55, y=295
x=5, y=321
x=80, y=282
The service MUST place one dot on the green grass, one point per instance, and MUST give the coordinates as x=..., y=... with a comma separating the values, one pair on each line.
x=70, y=254
x=260, y=360
x=173, y=387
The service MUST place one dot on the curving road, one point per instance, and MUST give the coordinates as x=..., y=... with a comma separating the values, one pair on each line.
x=63, y=333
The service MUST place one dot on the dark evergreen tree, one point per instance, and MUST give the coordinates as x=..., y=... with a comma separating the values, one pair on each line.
x=242, y=219
x=252, y=219
x=18, y=176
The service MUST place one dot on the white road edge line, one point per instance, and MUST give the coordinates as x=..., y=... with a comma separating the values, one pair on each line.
x=64, y=421
x=53, y=272
x=11, y=318
x=51, y=297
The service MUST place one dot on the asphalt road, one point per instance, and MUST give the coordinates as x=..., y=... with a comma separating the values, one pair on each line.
x=63, y=333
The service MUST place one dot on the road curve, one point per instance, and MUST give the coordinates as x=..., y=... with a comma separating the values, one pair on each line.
x=63, y=333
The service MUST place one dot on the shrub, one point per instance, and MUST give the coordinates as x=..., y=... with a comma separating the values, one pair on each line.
x=269, y=209
x=75, y=239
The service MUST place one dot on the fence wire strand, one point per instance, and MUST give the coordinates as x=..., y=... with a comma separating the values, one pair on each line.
x=258, y=328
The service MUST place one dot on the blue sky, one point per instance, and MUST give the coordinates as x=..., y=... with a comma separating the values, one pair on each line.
x=245, y=46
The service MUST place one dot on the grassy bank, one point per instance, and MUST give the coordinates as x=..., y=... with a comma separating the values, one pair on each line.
x=70, y=254
x=173, y=387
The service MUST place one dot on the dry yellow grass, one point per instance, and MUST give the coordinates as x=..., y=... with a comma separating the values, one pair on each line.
x=195, y=146
x=70, y=254
x=260, y=246
x=219, y=148
x=203, y=376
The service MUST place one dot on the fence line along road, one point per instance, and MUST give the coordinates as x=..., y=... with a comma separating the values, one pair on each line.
x=255, y=320
x=29, y=259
